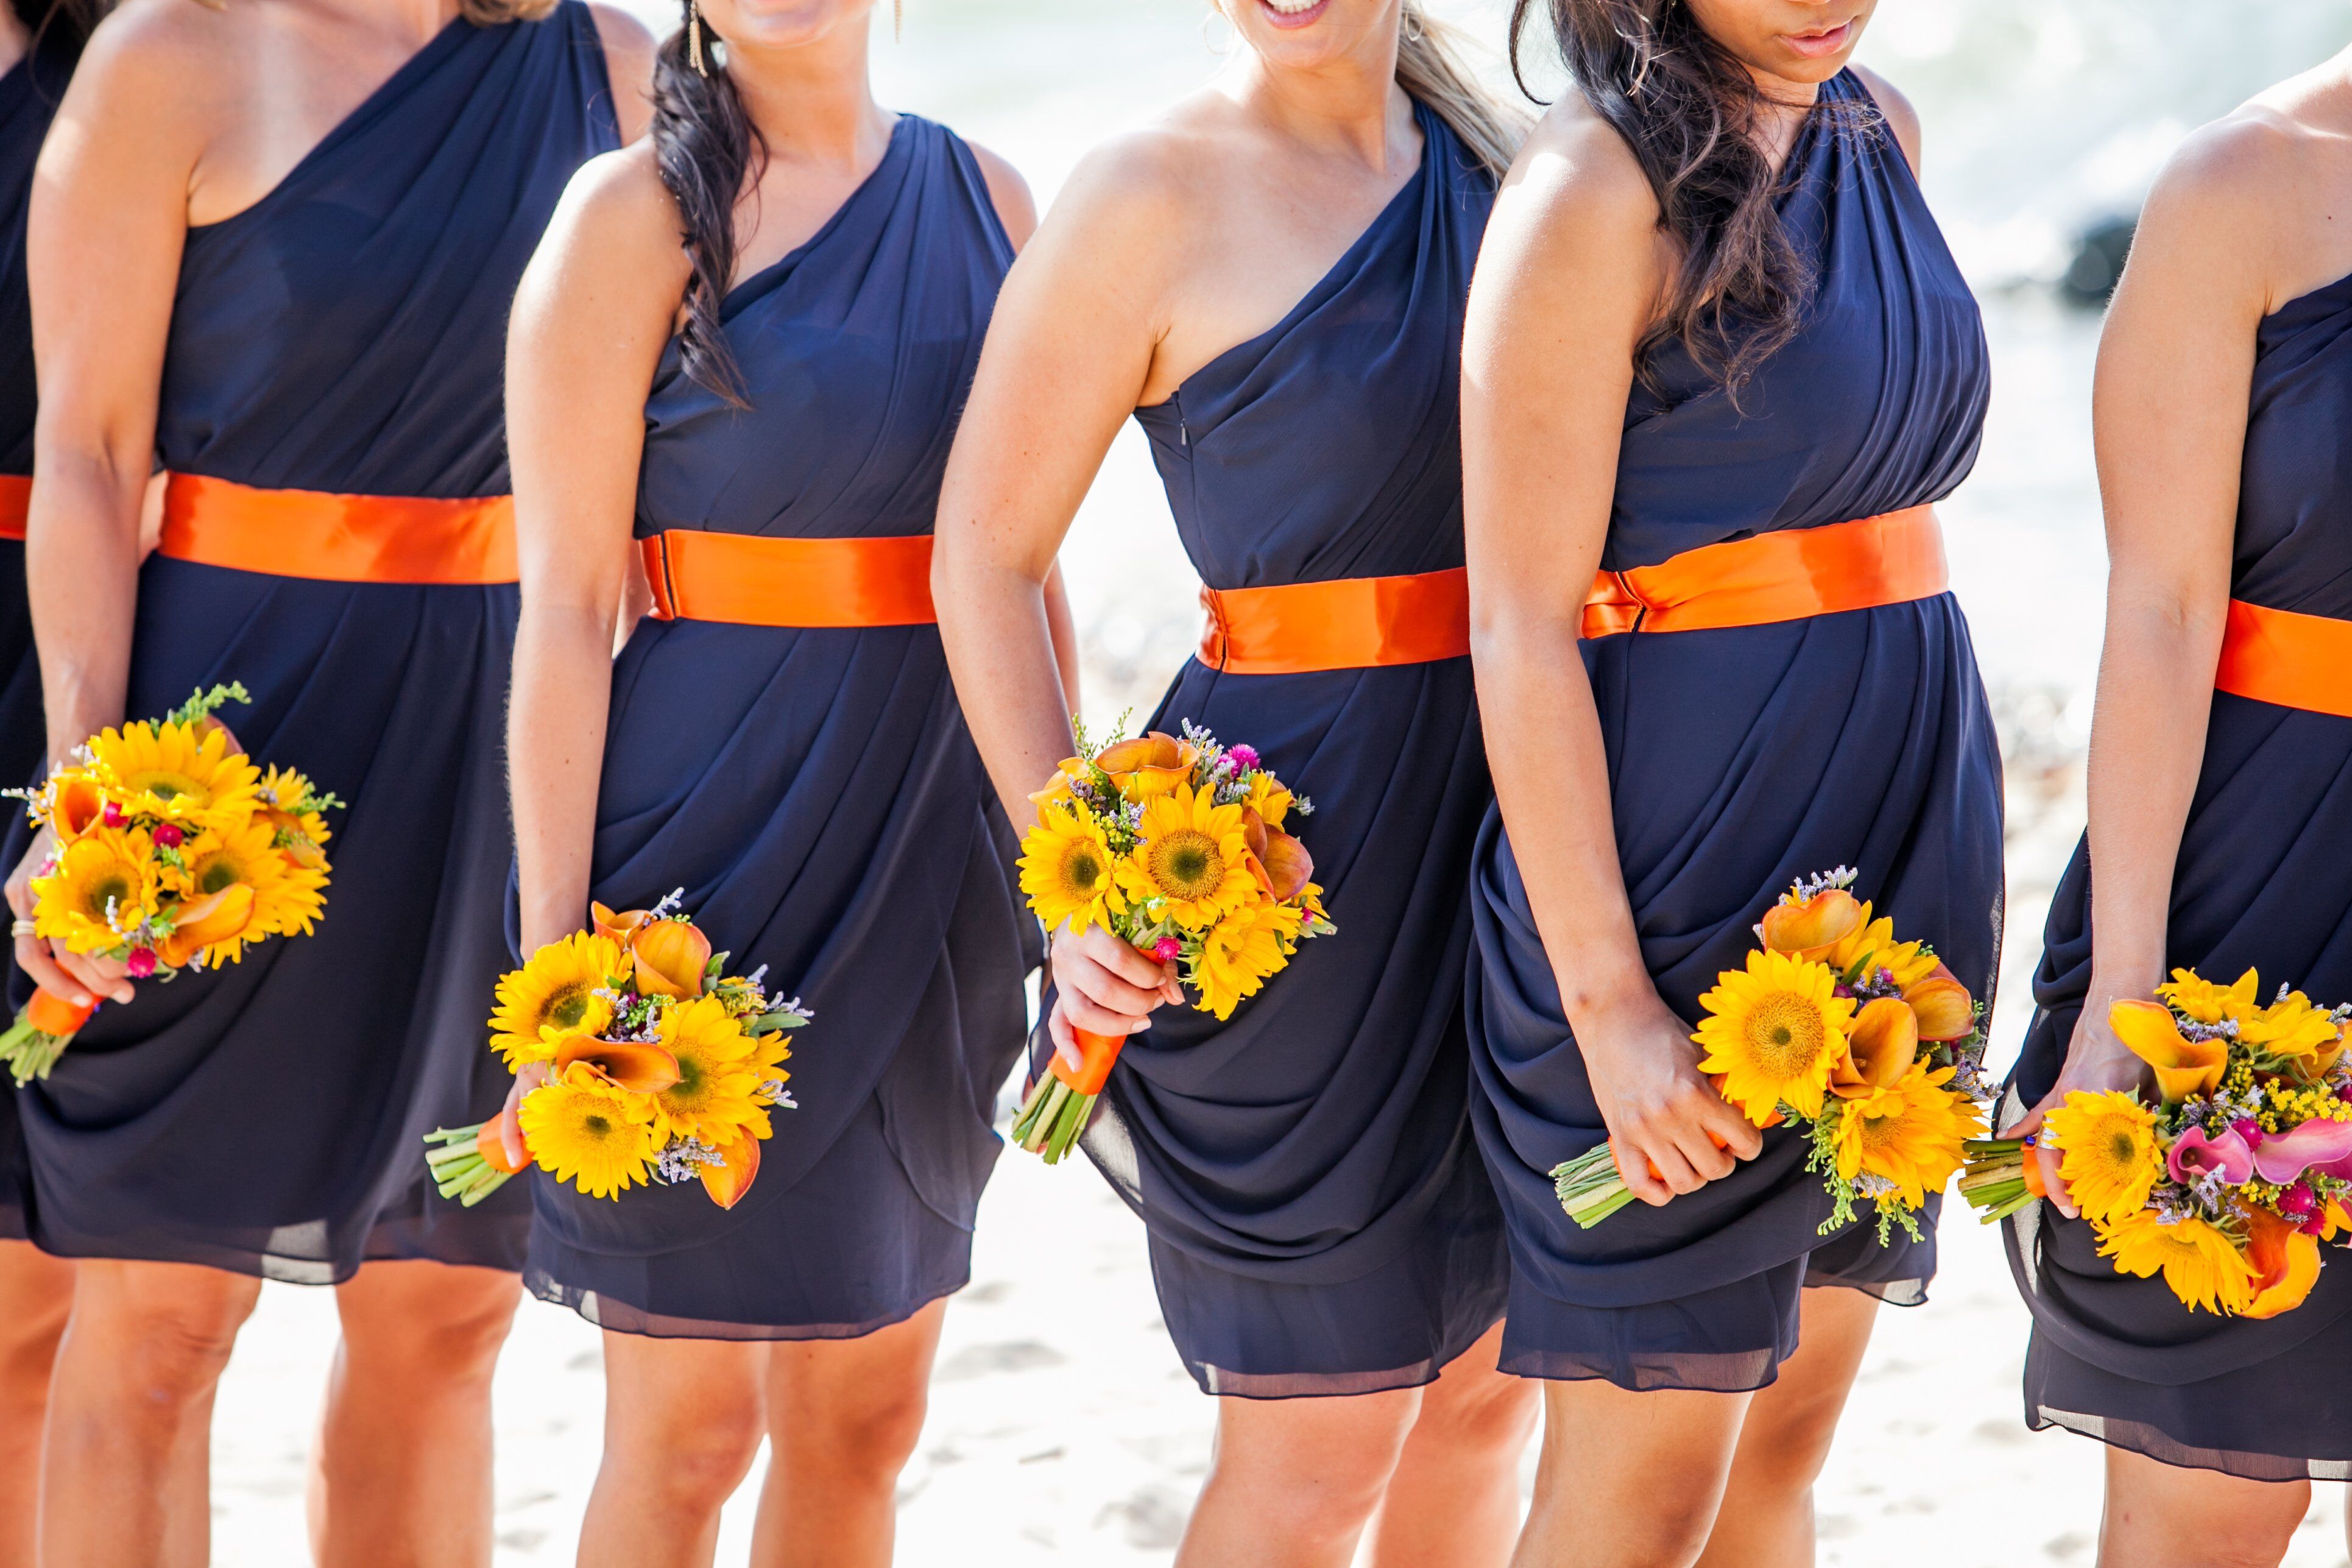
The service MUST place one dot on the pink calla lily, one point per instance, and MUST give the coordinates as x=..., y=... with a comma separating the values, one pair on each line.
x=2193, y=1154
x=2284, y=1156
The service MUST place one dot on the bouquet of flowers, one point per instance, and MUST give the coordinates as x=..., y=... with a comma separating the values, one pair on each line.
x=661, y=1067
x=1872, y=1044
x=173, y=851
x=1177, y=848
x=2231, y=1178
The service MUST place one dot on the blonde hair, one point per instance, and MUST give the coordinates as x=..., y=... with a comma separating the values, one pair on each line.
x=1430, y=66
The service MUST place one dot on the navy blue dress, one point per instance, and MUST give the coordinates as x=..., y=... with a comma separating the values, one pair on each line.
x=817, y=796
x=1742, y=759
x=1318, y=1222
x=2260, y=884
x=344, y=334
x=28, y=98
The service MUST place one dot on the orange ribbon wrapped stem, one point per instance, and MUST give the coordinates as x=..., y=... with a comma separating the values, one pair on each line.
x=1101, y=1053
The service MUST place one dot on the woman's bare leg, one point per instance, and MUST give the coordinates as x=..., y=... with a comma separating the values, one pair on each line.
x=1453, y=1498
x=683, y=1420
x=35, y=1299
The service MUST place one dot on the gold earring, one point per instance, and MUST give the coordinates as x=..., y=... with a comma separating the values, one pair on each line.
x=694, y=40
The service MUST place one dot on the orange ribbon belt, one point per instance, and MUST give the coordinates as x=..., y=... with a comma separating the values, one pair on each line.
x=2285, y=657
x=339, y=538
x=750, y=580
x=16, y=499
x=1348, y=623
x=1785, y=575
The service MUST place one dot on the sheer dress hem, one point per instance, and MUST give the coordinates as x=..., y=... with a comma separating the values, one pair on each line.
x=2148, y=1441
x=617, y=1317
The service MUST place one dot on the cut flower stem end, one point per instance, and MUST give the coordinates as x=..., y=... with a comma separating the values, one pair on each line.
x=1052, y=1119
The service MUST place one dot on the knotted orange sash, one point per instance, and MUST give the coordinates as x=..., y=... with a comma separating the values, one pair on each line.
x=16, y=500
x=1347, y=623
x=2285, y=657
x=1785, y=575
x=752, y=581
x=339, y=538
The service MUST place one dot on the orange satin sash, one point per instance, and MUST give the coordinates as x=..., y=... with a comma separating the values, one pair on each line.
x=16, y=500
x=1346, y=623
x=2288, y=659
x=751, y=580
x=338, y=538
x=1785, y=575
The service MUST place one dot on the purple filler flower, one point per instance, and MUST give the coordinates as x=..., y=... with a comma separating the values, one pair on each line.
x=2194, y=1155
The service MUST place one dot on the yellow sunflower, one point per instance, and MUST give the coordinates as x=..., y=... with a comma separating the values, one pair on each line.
x=1268, y=798
x=717, y=1094
x=2201, y=999
x=1874, y=941
x=102, y=885
x=1065, y=869
x=2199, y=1261
x=1910, y=1133
x=301, y=834
x=1195, y=855
x=170, y=772
x=1775, y=1030
x=1241, y=952
x=2291, y=1027
x=554, y=997
x=2108, y=1151
x=286, y=896
x=580, y=1129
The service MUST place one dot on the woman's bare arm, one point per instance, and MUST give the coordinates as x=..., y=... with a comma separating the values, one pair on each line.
x=1567, y=279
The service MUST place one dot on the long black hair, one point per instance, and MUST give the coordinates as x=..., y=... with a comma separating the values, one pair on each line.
x=56, y=29
x=710, y=154
x=1692, y=113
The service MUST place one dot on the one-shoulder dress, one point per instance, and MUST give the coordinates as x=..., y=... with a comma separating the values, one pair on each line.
x=814, y=793
x=1318, y=1220
x=1743, y=758
x=29, y=93
x=343, y=335
x=2260, y=884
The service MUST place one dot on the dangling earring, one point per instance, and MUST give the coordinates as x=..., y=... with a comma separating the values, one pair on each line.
x=1216, y=13
x=1414, y=31
x=694, y=40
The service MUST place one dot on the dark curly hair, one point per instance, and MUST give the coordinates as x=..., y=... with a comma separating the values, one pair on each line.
x=710, y=154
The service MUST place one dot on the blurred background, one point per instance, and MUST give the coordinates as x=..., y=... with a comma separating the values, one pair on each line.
x=1063, y=1431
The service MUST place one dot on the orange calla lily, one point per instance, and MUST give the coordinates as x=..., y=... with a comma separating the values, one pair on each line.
x=223, y=915
x=2286, y=1263
x=670, y=958
x=2183, y=1067
x=1148, y=766
x=1881, y=1047
x=619, y=926
x=632, y=1064
x=1288, y=865
x=728, y=1183
x=298, y=847
x=1945, y=1009
x=1811, y=928
x=79, y=806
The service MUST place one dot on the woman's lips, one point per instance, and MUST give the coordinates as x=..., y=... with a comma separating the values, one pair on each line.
x=1304, y=15
x=1816, y=46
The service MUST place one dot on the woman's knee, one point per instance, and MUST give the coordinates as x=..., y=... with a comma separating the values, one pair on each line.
x=2195, y=1519
x=691, y=1453
x=444, y=1325
x=170, y=1336
x=868, y=1436
x=1479, y=1415
x=1316, y=1470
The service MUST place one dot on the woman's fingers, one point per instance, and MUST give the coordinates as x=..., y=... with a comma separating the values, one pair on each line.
x=1634, y=1168
x=1077, y=970
x=1066, y=1044
x=99, y=977
x=33, y=957
x=1740, y=1138
x=2052, y=1185
x=1709, y=1159
x=1121, y=960
x=1084, y=1012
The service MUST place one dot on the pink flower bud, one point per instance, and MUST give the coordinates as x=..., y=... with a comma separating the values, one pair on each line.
x=2316, y=1225
x=2297, y=1202
x=1168, y=950
x=169, y=836
x=2247, y=1128
x=114, y=813
x=142, y=964
x=1244, y=757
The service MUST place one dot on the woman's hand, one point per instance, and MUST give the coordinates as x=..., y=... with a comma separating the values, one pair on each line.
x=1103, y=986
x=529, y=1075
x=1672, y=1132
x=74, y=977
x=2095, y=1061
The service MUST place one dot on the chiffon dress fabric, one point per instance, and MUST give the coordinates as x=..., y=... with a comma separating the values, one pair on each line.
x=342, y=334
x=2260, y=885
x=815, y=794
x=29, y=93
x=1318, y=1223
x=1742, y=759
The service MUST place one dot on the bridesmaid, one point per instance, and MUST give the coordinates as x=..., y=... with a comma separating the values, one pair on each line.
x=274, y=246
x=766, y=406
x=39, y=42
x=2224, y=425
x=1271, y=279
x=1756, y=342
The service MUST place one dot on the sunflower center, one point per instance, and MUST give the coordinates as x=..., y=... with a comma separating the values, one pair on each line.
x=566, y=1007
x=1082, y=869
x=213, y=876
x=165, y=784
x=690, y=1079
x=1785, y=1033
x=2122, y=1147
x=596, y=1126
x=1186, y=864
x=113, y=887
